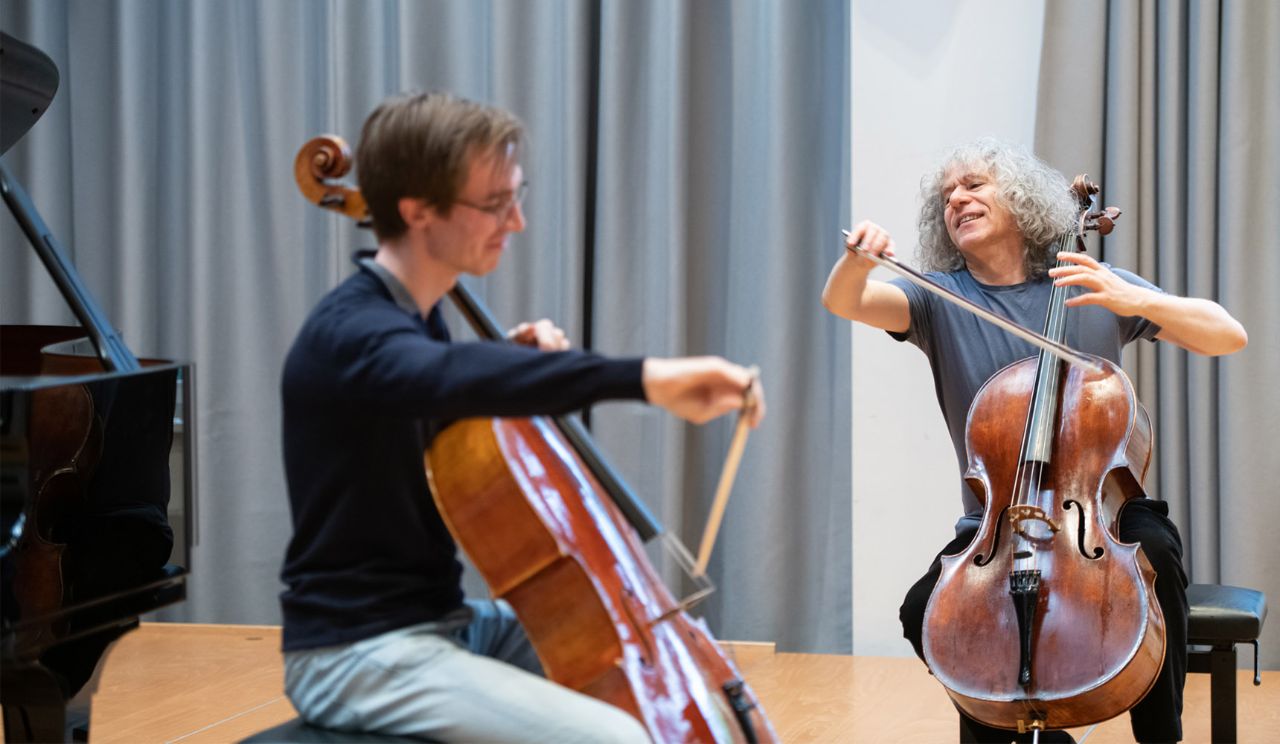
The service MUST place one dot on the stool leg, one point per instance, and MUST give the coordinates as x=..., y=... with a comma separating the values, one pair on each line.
x=1222, y=693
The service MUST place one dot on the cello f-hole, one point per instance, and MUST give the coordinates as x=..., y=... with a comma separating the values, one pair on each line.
x=1080, y=530
x=982, y=560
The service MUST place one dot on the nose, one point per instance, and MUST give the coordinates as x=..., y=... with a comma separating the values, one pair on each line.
x=515, y=219
x=957, y=197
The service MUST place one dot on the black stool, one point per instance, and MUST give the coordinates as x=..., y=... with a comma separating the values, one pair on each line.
x=1221, y=617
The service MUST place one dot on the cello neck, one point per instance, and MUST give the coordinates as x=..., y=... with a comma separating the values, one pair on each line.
x=1037, y=444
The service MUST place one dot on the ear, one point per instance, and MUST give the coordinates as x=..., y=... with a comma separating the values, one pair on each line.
x=415, y=212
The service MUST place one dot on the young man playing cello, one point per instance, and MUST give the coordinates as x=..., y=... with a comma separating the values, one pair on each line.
x=990, y=216
x=377, y=636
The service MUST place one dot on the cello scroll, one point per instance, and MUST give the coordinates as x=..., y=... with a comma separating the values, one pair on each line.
x=1092, y=216
x=320, y=162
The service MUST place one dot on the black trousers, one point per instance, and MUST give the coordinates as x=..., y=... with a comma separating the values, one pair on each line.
x=1158, y=716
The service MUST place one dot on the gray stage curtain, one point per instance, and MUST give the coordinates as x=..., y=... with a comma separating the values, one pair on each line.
x=688, y=170
x=723, y=184
x=1174, y=107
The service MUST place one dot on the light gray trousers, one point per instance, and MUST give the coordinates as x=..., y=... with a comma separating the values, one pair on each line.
x=469, y=677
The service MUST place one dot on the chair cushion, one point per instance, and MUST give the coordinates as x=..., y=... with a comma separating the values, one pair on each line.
x=298, y=731
x=1225, y=613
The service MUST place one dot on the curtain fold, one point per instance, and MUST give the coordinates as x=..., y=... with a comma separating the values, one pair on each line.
x=1175, y=106
x=688, y=171
x=736, y=103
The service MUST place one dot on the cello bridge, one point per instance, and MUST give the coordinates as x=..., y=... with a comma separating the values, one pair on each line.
x=1023, y=513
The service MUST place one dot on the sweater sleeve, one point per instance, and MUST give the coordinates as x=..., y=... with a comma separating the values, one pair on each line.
x=399, y=368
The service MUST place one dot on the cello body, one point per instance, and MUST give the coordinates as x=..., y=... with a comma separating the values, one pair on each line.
x=1094, y=628
x=594, y=608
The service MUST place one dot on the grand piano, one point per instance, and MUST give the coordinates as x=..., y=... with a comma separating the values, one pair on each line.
x=96, y=476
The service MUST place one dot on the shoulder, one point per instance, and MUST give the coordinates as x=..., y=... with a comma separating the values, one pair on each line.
x=349, y=314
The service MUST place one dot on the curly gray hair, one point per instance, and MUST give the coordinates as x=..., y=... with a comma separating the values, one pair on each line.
x=1038, y=197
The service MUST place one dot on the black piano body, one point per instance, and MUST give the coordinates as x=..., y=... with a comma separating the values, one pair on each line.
x=95, y=512
x=96, y=470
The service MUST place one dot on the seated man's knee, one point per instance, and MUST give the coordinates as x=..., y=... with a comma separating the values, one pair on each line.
x=911, y=614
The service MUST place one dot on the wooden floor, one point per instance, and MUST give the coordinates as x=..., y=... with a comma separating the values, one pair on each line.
x=219, y=683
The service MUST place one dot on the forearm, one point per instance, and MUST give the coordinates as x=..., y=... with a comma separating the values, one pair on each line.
x=850, y=294
x=1195, y=324
x=843, y=294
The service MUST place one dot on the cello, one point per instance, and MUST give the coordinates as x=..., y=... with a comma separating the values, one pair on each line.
x=555, y=533
x=1045, y=620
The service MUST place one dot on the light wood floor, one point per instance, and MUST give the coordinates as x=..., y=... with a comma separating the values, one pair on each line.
x=219, y=683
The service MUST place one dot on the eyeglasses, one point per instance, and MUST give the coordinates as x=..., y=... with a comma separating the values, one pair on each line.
x=502, y=211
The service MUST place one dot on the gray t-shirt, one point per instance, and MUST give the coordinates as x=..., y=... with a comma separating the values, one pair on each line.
x=965, y=351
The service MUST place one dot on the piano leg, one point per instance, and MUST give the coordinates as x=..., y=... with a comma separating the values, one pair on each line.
x=47, y=699
x=34, y=706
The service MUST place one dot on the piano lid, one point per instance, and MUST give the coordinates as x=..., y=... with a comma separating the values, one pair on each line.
x=28, y=80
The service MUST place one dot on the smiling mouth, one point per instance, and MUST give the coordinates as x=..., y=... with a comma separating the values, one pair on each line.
x=966, y=219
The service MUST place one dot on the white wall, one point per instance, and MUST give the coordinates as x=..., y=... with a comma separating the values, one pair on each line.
x=926, y=75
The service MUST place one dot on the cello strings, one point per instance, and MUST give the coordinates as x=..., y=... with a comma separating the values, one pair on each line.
x=1022, y=479
x=1054, y=329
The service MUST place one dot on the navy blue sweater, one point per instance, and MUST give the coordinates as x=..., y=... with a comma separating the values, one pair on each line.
x=365, y=384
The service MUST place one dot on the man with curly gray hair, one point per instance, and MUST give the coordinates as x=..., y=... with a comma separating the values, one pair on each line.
x=991, y=216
